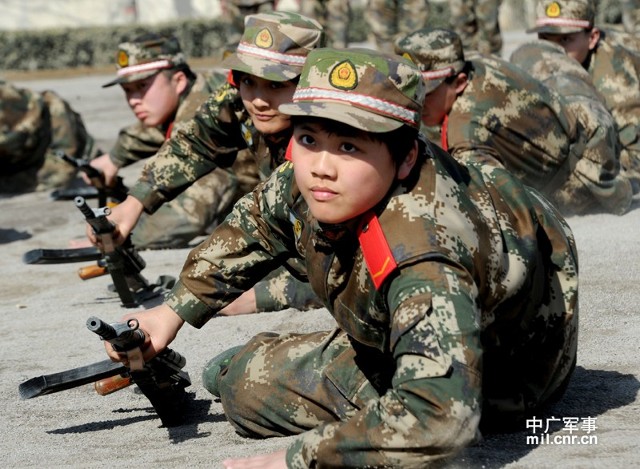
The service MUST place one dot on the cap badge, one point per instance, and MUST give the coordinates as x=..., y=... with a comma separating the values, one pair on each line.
x=553, y=10
x=264, y=39
x=407, y=56
x=344, y=76
x=123, y=59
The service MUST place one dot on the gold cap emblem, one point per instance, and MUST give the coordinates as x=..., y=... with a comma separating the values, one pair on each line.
x=344, y=76
x=553, y=10
x=123, y=59
x=264, y=39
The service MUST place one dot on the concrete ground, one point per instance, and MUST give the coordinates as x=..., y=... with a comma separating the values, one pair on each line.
x=43, y=310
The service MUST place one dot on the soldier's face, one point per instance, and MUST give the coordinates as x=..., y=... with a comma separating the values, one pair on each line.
x=439, y=102
x=261, y=99
x=341, y=176
x=576, y=45
x=154, y=100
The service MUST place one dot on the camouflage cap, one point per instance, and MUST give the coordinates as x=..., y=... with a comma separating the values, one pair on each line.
x=437, y=53
x=145, y=56
x=363, y=88
x=275, y=44
x=563, y=16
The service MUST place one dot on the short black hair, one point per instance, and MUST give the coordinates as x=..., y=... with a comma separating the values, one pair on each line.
x=399, y=142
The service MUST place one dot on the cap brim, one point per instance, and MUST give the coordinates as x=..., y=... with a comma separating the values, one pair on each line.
x=131, y=78
x=431, y=85
x=345, y=113
x=554, y=30
x=267, y=69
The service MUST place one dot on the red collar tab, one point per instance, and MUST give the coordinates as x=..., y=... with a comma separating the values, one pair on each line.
x=375, y=249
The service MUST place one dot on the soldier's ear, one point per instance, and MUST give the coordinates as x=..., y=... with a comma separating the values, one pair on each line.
x=461, y=82
x=180, y=81
x=594, y=37
x=408, y=163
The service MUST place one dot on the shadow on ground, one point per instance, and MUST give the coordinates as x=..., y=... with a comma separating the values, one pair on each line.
x=590, y=393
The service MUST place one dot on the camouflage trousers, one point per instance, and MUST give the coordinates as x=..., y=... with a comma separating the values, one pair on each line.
x=334, y=16
x=282, y=385
x=390, y=19
x=279, y=385
x=476, y=22
x=193, y=213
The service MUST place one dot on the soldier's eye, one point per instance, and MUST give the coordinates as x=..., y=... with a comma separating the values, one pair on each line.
x=348, y=147
x=306, y=139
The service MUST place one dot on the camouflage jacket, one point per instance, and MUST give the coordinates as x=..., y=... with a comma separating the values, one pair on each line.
x=509, y=115
x=219, y=130
x=137, y=142
x=33, y=125
x=593, y=178
x=615, y=72
x=495, y=265
x=25, y=129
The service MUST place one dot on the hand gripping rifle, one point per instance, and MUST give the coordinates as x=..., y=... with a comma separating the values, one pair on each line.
x=123, y=263
x=161, y=379
x=99, y=188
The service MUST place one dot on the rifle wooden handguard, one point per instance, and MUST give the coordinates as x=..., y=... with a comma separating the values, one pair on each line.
x=91, y=271
x=112, y=384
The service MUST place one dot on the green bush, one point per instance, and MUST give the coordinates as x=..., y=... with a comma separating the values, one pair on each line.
x=95, y=47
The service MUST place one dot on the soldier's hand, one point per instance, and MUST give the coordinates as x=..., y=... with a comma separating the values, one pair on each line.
x=275, y=460
x=124, y=216
x=160, y=326
x=109, y=170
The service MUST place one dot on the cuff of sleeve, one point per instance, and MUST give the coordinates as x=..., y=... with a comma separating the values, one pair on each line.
x=265, y=301
x=188, y=306
x=116, y=158
x=151, y=199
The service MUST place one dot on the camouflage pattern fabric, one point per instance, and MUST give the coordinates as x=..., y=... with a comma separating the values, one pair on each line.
x=203, y=204
x=145, y=56
x=615, y=72
x=476, y=22
x=222, y=135
x=507, y=115
x=478, y=320
x=403, y=368
x=333, y=15
x=34, y=126
x=596, y=180
x=391, y=19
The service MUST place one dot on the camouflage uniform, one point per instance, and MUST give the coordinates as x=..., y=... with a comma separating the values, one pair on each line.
x=33, y=127
x=222, y=129
x=390, y=19
x=506, y=115
x=600, y=161
x=234, y=13
x=456, y=296
x=476, y=22
x=209, y=199
x=614, y=71
x=333, y=15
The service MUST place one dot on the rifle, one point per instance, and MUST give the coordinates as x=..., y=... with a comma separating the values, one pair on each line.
x=118, y=192
x=123, y=263
x=161, y=379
